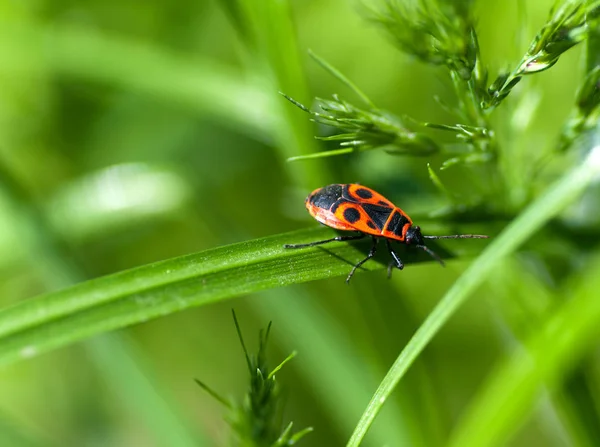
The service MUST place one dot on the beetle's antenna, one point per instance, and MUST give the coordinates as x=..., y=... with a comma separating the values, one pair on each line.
x=432, y=254
x=458, y=236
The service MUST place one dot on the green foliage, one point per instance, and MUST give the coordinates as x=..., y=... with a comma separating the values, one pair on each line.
x=515, y=234
x=257, y=420
x=586, y=115
x=437, y=32
x=568, y=25
x=365, y=130
x=133, y=296
x=131, y=138
x=442, y=33
x=516, y=383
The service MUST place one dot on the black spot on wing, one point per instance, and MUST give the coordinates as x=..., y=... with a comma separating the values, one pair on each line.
x=397, y=223
x=384, y=203
x=351, y=215
x=364, y=193
x=325, y=197
x=379, y=214
x=371, y=225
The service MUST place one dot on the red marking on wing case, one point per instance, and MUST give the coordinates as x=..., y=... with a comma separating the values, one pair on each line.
x=360, y=224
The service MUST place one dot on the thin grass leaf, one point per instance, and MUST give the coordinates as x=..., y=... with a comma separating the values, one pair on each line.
x=341, y=77
x=438, y=182
x=284, y=437
x=368, y=129
x=272, y=26
x=146, y=398
x=564, y=191
x=216, y=396
x=323, y=154
x=297, y=436
x=56, y=319
x=241, y=339
x=507, y=397
x=278, y=367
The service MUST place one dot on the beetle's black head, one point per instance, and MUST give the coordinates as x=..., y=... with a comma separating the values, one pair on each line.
x=414, y=236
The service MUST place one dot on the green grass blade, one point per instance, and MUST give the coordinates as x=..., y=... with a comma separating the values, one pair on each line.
x=274, y=31
x=593, y=45
x=346, y=150
x=159, y=289
x=516, y=233
x=512, y=390
x=339, y=75
x=146, y=399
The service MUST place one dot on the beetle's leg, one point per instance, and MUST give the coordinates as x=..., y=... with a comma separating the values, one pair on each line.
x=334, y=239
x=369, y=256
x=395, y=262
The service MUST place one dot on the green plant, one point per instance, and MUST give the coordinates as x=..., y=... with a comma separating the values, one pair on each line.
x=257, y=420
x=508, y=178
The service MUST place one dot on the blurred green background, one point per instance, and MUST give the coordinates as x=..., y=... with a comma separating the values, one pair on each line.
x=132, y=132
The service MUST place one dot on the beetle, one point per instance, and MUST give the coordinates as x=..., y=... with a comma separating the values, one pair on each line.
x=353, y=207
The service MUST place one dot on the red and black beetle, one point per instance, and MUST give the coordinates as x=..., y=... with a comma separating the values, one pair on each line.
x=353, y=207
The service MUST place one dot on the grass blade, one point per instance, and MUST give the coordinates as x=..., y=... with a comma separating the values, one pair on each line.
x=161, y=288
x=339, y=75
x=512, y=390
x=274, y=30
x=128, y=375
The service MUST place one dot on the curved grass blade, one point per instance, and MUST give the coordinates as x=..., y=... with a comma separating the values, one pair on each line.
x=512, y=390
x=516, y=233
x=161, y=288
x=341, y=77
x=346, y=150
x=128, y=376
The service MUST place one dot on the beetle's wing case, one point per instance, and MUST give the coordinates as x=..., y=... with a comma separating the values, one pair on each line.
x=361, y=194
x=354, y=207
x=321, y=201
